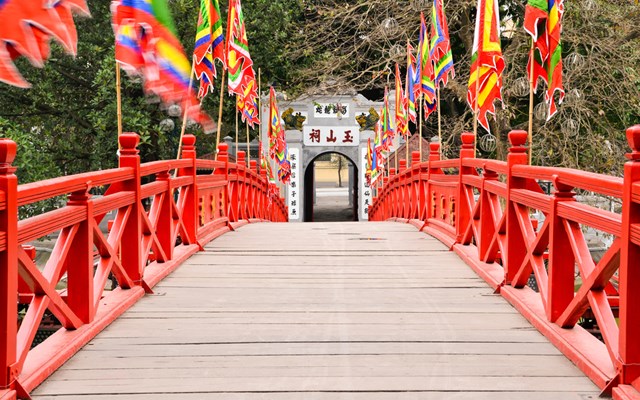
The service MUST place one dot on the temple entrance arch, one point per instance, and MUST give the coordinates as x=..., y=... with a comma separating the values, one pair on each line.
x=330, y=188
x=319, y=125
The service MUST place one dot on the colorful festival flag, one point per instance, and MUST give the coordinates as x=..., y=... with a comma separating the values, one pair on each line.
x=146, y=44
x=487, y=63
x=427, y=87
x=277, y=141
x=209, y=45
x=388, y=133
x=543, y=21
x=27, y=28
x=369, y=163
x=242, y=76
x=402, y=124
x=440, y=52
x=410, y=84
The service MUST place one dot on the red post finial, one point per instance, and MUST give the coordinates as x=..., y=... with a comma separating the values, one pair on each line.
x=223, y=149
x=434, y=147
x=188, y=142
x=8, y=149
x=415, y=157
x=403, y=165
x=253, y=164
x=241, y=156
x=392, y=171
x=518, y=139
x=129, y=143
x=633, y=138
x=467, y=140
x=188, y=146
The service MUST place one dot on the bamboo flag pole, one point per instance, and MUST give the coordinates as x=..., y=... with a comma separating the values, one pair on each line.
x=420, y=117
x=119, y=100
x=248, y=148
x=220, y=113
x=186, y=109
x=476, y=111
x=439, y=122
x=406, y=145
x=236, y=129
x=531, y=89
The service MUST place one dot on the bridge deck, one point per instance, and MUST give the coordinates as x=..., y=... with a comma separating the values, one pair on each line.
x=320, y=311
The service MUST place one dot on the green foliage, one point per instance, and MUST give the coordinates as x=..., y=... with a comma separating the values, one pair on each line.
x=67, y=122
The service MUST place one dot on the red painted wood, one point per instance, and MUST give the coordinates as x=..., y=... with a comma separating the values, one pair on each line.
x=8, y=265
x=145, y=242
x=506, y=246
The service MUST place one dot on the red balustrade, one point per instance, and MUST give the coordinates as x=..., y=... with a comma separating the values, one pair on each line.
x=483, y=210
x=163, y=212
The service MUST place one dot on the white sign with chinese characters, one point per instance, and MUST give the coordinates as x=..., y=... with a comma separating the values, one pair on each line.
x=366, y=194
x=293, y=195
x=331, y=136
x=330, y=110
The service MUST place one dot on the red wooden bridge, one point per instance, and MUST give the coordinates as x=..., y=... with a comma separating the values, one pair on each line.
x=374, y=310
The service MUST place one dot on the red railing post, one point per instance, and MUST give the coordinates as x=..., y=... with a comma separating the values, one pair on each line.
x=264, y=193
x=629, y=268
x=463, y=214
x=515, y=250
x=190, y=212
x=8, y=264
x=131, y=253
x=412, y=186
x=80, y=268
x=425, y=197
x=253, y=190
x=223, y=156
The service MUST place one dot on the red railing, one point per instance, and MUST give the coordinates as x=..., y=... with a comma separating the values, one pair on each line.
x=163, y=212
x=483, y=210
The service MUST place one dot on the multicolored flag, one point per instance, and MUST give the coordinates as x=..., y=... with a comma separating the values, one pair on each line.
x=27, y=28
x=440, y=53
x=388, y=133
x=248, y=104
x=427, y=87
x=146, y=44
x=543, y=21
x=209, y=45
x=242, y=76
x=487, y=63
x=410, y=85
x=277, y=141
x=402, y=124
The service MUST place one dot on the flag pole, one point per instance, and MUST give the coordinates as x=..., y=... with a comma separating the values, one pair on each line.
x=531, y=89
x=420, y=117
x=248, y=149
x=406, y=145
x=476, y=111
x=186, y=108
x=237, y=128
x=439, y=122
x=119, y=101
x=220, y=113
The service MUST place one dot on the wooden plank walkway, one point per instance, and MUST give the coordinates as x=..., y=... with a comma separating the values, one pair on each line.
x=320, y=311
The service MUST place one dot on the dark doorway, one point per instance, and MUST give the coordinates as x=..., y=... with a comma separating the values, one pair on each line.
x=331, y=189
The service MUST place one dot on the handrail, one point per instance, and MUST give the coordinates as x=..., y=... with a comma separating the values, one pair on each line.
x=486, y=214
x=152, y=228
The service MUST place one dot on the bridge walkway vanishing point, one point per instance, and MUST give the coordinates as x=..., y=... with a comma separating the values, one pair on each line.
x=320, y=311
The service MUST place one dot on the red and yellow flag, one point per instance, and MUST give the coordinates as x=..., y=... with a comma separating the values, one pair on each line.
x=487, y=63
x=402, y=124
x=27, y=28
x=543, y=21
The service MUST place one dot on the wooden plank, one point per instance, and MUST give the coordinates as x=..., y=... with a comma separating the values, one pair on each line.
x=330, y=311
x=422, y=395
